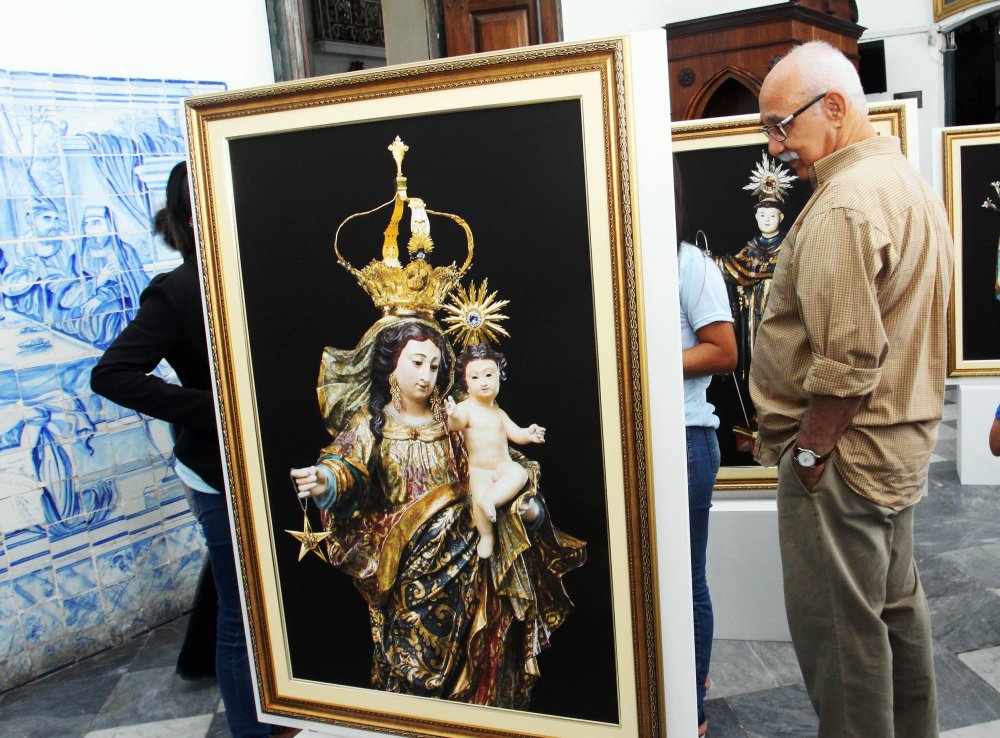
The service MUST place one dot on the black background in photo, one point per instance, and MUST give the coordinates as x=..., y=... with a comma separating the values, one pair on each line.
x=980, y=234
x=516, y=174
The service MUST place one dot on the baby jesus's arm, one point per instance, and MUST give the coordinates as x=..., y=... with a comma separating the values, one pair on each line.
x=516, y=434
x=456, y=415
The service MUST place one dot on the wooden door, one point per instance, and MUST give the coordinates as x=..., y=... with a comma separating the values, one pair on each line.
x=472, y=26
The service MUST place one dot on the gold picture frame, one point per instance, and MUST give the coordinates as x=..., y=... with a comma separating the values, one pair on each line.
x=970, y=167
x=945, y=8
x=535, y=150
x=716, y=156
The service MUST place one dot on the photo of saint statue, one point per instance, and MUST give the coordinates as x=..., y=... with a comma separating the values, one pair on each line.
x=742, y=201
x=748, y=274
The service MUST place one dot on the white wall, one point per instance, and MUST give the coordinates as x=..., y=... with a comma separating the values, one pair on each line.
x=583, y=19
x=914, y=62
x=914, y=65
x=216, y=40
x=885, y=15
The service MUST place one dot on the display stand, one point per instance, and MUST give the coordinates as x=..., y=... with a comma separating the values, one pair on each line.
x=744, y=570
x=977, y=402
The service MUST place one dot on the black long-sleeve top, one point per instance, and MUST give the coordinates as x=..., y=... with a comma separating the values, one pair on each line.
x=169, y=325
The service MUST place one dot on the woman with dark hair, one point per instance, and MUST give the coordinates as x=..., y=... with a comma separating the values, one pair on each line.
x=170, y=325
x=709, y=347
x=392, y=490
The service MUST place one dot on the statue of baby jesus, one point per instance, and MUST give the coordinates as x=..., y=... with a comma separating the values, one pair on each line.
x=494, y=478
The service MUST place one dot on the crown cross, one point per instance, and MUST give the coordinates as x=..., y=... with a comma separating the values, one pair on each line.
x=398, y=149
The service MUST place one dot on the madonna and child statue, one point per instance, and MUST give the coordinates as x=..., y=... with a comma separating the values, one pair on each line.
x=438, y=521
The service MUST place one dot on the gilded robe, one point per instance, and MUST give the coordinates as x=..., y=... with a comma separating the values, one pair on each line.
x=444, y=622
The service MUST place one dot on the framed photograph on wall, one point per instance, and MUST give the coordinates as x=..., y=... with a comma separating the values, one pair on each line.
x=971, y=172
x=724, y=168
x=491, y=195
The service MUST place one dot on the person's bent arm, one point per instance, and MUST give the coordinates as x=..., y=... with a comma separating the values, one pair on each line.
x=715, y=352
x=825, y=420
x=123, y=373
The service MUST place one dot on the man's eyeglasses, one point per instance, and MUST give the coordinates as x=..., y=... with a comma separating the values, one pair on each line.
x=777, y=130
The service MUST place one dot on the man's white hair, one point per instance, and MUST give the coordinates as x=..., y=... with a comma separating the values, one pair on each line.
x=822, y=68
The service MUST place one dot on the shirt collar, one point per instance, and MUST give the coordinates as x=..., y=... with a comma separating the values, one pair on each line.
x=833, y=164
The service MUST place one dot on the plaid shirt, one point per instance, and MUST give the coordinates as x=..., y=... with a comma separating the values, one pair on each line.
x=858, y=307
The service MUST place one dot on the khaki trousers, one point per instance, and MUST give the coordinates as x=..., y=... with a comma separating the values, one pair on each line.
x=856, y=610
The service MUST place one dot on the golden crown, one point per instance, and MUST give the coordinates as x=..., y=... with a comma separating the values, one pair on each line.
x=416, y=288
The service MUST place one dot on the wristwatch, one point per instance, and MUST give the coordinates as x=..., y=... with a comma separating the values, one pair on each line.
x=807, y=458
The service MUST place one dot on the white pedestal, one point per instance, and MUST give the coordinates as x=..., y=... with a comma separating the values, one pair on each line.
x=977, y=402
x=744, y=571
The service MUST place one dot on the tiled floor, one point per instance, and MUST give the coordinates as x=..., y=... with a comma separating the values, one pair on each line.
x=133, y=692
x=757, y=690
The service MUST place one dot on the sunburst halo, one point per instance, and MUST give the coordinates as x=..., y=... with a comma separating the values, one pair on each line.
x=473, y=316
x=769, y=179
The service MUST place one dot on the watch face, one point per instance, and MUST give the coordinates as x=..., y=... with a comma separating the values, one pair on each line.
x=806, y=459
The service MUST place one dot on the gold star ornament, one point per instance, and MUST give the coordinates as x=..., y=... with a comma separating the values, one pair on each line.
x=309, y=539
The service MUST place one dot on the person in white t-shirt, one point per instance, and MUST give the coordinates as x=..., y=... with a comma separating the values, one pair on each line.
x=709, y=347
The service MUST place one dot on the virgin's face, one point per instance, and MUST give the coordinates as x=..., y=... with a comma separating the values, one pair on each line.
x=417, y=370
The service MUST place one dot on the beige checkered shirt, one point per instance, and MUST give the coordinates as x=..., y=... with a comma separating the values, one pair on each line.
x=858, y=308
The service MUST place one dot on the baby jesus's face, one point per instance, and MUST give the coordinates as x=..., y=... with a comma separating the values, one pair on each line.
x=482, y=379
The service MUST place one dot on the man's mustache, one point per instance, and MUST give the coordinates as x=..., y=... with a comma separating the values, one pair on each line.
x=787, y=156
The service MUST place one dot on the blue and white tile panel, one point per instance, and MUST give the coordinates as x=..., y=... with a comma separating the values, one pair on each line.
x=96, y=542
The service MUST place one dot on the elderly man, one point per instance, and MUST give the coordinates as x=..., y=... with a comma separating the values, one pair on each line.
x=848, y=380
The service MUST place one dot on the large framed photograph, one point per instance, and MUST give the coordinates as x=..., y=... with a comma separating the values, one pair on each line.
x=345, y=225
x=971, y=176
x=739, y=202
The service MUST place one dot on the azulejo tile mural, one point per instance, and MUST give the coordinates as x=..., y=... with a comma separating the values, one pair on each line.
x=96, y=541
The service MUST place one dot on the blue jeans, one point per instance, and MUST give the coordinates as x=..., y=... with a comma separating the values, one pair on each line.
x=232, y=665
x=703, y=465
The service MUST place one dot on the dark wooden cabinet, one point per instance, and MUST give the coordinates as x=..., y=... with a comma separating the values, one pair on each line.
x=472, y=26
x=717, y=64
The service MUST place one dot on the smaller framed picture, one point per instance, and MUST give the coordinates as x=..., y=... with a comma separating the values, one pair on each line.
x=971, y=169
x=944, y=8
x=723, y=167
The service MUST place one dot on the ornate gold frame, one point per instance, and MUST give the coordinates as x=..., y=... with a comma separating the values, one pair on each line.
x=890, y=119
x=953, y=140
x=943, y=9
x=596, y=74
